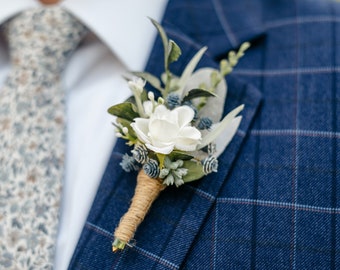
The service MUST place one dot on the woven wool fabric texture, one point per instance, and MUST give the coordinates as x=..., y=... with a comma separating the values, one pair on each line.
x=274, y=204
x=32, y=136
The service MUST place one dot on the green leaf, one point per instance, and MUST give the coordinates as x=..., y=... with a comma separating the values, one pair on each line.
x=174, y=52
x=151, y=79
x=118, y=245
x=176, y=155
x=244, y=46
x=144, y=96
x=164, y=38
x=124, y=110
x=127, y=123
x=161, y=159
x=130, y=99
x=225, y=67
x=195, y=171
x=195, y=93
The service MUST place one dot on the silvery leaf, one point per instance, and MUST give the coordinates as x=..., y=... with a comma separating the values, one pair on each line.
x=218, y=128
x=215, y=105
x=189, y=69
x=225, y=137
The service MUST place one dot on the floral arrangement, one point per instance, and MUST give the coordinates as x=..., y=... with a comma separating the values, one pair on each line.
x=177, y=136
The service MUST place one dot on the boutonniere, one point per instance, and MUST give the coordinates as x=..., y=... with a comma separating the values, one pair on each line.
x=173, y=135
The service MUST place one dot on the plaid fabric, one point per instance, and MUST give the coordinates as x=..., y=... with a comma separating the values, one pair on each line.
x=274, y=202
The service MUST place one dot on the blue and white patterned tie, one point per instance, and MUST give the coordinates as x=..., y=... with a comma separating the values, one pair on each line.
x=32, y=135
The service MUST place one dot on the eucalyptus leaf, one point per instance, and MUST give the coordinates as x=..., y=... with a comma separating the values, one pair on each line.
x=195, y=93
x=153, y=80
x=174, y=52
x=176, y=155
x=220, y=127
x=195, y=170
x=124, y=110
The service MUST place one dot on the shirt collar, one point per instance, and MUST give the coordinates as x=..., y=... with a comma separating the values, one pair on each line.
x=122, y=25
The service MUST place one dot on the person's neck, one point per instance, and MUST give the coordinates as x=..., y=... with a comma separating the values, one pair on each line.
x=49, y=2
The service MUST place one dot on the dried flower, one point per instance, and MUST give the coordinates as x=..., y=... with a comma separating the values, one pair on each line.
x=205, y=123
x=173, y=101
x=210, y=164
x=151, y=168
x=137, y=85
x=129, y=164
x=140, y=153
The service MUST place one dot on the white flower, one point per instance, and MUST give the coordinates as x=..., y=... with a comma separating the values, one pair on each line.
x=167, y=130
x=148, y=107
x=151, y=96
x=137, y=85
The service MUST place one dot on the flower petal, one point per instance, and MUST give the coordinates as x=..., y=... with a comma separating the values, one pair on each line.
x=162, y=130
x=185, y=145
x=188, y=139
x=148, y=107
x=141, y=127
x=161, y=150
x=185, y=115
x=190, y=132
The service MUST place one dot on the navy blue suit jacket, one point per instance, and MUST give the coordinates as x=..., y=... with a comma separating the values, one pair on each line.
x=274, y=203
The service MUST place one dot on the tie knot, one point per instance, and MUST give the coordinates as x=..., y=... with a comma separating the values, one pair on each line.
x=43, y=38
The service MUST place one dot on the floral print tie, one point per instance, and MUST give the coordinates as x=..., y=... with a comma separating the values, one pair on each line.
x=32, y=135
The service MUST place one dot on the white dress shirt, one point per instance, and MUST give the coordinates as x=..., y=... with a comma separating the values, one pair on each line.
x=122, y=40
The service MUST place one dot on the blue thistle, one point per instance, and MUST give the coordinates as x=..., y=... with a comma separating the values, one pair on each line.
x=151, y=168
x=210, y=164
x=129, y=163
x=173, y=100
x=140, y=153
x=205, y=123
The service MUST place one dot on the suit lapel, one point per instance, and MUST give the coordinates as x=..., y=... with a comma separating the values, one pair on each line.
x=165, y=236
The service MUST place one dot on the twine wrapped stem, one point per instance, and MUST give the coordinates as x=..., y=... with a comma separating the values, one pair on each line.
x=146, y=192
